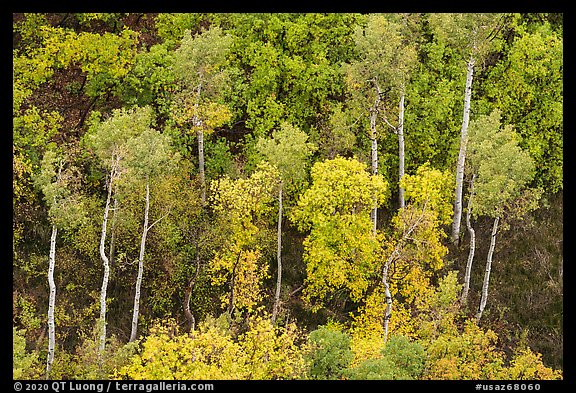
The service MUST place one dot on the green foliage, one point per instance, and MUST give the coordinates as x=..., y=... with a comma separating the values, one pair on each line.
x=150, y=154
x=88, y=363
x=408, y=357
x=330, y=353
x=502, y=167
x=373, y=369
x=108, y=137
x=401, y=359
x=385, y=54
x=172, y=27
x=527, y=88
x=23, y=362
x=151, y=80
x=200, y=59
x=34, y=128
x=291, y=65
x=28, y=310
x=288, y=150
x=337, y=135
x=66, y=205
x=104, y=58
x=219, y=159
x=104, y=99
x=472, y=34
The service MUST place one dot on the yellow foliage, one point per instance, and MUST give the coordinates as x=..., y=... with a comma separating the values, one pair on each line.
x=244, y=205
x=527, y=365
x=213, y=352
x=367, y=331
x=199, y=115
x=248, y=274
x=469, y=355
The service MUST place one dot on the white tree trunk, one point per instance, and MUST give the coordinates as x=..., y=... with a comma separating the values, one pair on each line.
x=484, y=298
x=472, y=243
x=201, y=163
x=51, y=302
x=106, y=263
x=374, y=154
x=400, y=131
x=462, y=154
x=112, y=251
x=200, y=133
x=393, y=255
x=388, y=312
x=279, y=257
x=136, y=310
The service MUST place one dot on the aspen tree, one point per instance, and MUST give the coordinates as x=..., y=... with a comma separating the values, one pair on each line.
x=65, y=210
x=108, y=140
x=471, y=35
x=386, y=60
x=340, y=252
x=289, y=151
x=502, y=171
x=149, y=156
x=200, y=67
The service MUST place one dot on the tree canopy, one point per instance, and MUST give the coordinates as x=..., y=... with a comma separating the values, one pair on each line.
x=269, y=195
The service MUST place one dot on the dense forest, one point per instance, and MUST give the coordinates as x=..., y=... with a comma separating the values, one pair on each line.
x=287, y=196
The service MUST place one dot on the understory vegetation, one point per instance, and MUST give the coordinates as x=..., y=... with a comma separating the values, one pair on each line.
x=287, y=196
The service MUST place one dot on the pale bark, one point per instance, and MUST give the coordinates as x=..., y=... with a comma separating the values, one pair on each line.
x=279, y=258
x=200, y=134
x=106, y=264
x=484, y=298
x=232, y=283
x=112, y=251
x=387, y=294
x=201, y=163
x=400, y=131
x=136, y=310
x=374, y=152
x=187, y=312
x=395, y=254
x=462, y=154
x=472, y=233
x=51, y=302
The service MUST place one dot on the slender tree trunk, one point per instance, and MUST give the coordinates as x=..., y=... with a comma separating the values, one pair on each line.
x=462, y=154
x=484, y=298
x=232, y=283
x=200, y=133
x=279, y=258
x=400, y=131
x=187, y=312
x=472, y=243
x=51, y=303
x=113, y=234
x=386, y=267
x=201, y=163
x=373, y=138
x=136, y=310
x=106, y=264
x=388, y=295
